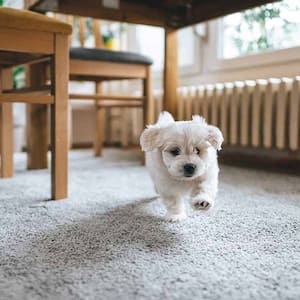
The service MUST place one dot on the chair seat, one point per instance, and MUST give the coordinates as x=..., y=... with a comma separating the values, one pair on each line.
x=26, y=20
x=94, y=54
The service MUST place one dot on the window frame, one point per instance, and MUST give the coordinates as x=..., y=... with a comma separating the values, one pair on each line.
x=218, y=63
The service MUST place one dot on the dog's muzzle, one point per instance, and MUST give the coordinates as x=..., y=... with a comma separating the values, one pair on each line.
x=189, y=170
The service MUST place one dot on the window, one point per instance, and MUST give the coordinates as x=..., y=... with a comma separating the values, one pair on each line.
x=270, y=27
x=12, y=3
x=112, y=33
x=150, y=42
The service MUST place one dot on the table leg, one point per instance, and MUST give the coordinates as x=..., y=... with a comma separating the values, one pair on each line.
x=37, y=122
x=171, y=72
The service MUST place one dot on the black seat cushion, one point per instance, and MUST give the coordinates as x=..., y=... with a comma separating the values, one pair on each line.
x=109, y=55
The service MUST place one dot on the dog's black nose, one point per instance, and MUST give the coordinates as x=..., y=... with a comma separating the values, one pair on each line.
x=189, y=169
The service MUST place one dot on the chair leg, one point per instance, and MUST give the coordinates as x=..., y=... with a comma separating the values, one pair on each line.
x=98, y=146
x=59, y=119
x=37, y=136
x=37, y=122
x=6, y=128
x=148, y=109
x=148, y=104
x=99, y=134
x=70, y=126
x=6, y=143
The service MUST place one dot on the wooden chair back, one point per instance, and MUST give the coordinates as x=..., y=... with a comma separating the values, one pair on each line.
x=96, y=27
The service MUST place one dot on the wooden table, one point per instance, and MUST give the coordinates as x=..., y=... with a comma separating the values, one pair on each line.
x=170, y=14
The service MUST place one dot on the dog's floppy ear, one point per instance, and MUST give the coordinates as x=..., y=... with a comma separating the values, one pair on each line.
x=149, y=138
x=214, y=136
x=199, y=120
x=165, y=119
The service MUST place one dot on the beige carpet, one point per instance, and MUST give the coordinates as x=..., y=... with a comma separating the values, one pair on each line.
x=108, y=240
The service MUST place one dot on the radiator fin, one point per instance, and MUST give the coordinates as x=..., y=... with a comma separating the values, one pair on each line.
x=262, y=113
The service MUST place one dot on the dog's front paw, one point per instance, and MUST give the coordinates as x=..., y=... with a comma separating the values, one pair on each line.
x=202, y=202
x=175, y=217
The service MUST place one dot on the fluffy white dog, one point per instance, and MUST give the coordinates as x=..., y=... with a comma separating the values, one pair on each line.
x=182, y=160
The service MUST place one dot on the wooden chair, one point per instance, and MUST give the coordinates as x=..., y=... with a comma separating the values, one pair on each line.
x=27, y=37
x=98, y=65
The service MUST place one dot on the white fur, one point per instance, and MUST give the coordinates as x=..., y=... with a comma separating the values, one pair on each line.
x=170, y=146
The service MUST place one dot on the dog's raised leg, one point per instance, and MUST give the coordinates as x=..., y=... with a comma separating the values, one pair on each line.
x=203, y=194
x=175, y=209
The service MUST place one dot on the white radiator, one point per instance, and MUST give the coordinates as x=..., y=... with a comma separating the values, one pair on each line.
x=262, y=113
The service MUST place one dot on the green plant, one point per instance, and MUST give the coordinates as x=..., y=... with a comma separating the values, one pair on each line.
x=256, y=18
x=18, y=74
x=263, y=28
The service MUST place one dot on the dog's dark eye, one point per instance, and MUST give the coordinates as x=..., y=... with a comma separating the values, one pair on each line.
x=197, y=150
x=175, y=151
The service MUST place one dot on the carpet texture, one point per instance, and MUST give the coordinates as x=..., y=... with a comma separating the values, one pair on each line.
x=108, y=240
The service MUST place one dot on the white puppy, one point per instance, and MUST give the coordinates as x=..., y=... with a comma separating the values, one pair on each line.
x=182, y=160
